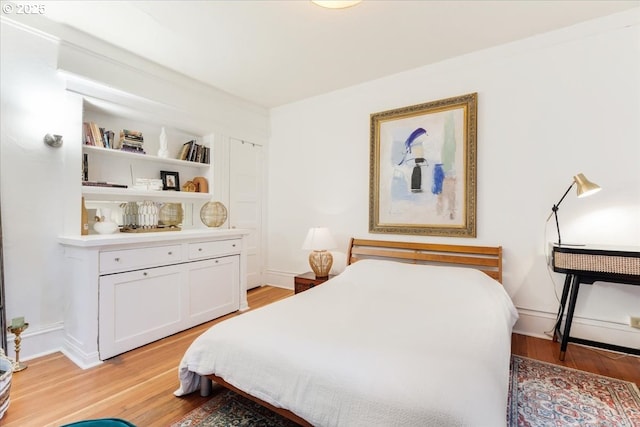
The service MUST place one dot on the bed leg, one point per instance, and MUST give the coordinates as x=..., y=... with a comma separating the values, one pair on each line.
x=205, y=386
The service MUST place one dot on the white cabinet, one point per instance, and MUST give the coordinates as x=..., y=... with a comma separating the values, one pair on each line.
x=125, y=291
x=141, y=306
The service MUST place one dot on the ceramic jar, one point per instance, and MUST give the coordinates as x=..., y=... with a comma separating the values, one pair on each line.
x=104, y=224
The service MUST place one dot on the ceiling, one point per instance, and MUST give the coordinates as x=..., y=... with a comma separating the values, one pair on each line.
x=275, y=52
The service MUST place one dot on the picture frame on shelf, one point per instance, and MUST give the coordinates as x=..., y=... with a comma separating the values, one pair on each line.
x=423, y=169
x=170, y=180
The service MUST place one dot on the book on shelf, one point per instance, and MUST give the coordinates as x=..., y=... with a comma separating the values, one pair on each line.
x=96, y=135
x=86, y=134
x=85, y=167
x=132, y=148
x=132, y=134
x=103, y=184
x=184, y=151
x=108, y=137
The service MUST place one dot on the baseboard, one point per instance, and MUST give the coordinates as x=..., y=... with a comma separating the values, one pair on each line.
x=37, y=342
x=280, y=279
x=537, y=324
x=72, y=350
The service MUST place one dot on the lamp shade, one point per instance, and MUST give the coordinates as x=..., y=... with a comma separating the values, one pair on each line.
x=319, y=239
x=584, y=186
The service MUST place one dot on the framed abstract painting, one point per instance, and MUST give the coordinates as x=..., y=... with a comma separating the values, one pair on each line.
x=423, y=169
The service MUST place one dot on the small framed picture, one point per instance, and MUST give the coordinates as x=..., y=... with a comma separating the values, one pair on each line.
x=170, y=180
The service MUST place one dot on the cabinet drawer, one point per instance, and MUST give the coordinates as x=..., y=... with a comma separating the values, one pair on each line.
x=202, y=250
x=132, y=259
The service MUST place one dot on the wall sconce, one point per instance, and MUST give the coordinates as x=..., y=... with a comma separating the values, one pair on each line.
x=318, y=240
x=54, y=141
x=584, y=187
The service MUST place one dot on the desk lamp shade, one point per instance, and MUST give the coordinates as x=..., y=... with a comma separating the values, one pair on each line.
x=584, y=188
x=318, y=241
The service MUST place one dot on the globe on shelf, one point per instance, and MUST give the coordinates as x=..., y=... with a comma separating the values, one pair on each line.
x=213, y=214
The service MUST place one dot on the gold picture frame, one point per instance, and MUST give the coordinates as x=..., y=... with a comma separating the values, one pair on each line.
x=423, y=169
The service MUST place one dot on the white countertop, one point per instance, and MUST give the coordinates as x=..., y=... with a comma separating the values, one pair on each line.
x=102, y=240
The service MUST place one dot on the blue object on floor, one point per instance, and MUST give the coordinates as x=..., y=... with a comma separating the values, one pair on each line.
x=103, y=422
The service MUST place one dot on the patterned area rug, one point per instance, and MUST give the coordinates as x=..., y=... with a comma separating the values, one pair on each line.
x=543, y=394
x=227, y=408
x=540, y=395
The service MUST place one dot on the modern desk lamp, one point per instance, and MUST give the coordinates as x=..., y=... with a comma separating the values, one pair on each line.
x=584, y=188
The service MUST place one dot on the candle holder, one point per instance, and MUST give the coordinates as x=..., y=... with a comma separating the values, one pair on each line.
x=17, y=330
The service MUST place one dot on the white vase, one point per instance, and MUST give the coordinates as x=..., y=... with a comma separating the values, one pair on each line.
x=163, y=152
x=6, y=372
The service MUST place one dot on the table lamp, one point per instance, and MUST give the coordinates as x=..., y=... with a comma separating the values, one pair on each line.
x=584, y=188
x=319, y=240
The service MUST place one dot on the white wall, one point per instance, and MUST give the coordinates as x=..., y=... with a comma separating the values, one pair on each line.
x=549, y=107
x=40, y=186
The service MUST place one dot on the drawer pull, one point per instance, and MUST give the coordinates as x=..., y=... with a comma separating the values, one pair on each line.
x=234, y=245
x=217, y=261
x=199, y=249
x=145, y=273
x=116, y=259
x=170, y=253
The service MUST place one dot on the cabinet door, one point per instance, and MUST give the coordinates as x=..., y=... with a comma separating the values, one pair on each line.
x=139, y=307
x=213, y=288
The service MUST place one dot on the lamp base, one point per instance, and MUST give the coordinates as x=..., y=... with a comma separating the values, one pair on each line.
x=321, y=262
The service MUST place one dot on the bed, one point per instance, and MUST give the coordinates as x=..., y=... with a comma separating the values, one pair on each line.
x=409, y=334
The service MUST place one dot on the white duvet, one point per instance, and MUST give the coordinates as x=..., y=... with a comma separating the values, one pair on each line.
x=382, y=344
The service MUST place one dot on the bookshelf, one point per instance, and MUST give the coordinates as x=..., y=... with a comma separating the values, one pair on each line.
x=124, y=169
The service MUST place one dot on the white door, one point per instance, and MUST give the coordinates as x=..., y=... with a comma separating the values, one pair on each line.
x=245, y=202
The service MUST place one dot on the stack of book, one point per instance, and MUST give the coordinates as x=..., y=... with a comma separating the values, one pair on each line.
x=194, y=152
x=131, y=140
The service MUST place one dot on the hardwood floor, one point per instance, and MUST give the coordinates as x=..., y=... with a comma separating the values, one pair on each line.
x=138, y=385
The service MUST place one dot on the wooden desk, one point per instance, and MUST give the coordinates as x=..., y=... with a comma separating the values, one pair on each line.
x=588, y=264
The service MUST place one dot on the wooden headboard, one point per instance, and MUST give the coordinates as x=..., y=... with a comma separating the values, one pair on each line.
x=487, y=259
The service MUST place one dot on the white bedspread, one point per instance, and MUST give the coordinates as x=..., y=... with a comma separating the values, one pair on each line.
x=382, y=344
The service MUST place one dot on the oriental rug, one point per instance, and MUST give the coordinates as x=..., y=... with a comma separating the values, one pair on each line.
x=544, y=394
x=540, y=395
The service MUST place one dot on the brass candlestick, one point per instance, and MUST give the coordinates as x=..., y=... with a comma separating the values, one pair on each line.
x=18, y=365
